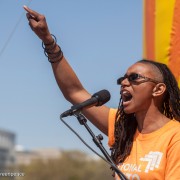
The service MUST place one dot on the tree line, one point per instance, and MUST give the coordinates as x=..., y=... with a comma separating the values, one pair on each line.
x=71, y=165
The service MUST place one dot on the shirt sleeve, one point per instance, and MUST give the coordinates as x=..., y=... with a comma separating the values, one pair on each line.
x=173, y=159
x=111, y=122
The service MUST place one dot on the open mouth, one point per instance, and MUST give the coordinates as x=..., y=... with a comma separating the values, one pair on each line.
x=126, y=96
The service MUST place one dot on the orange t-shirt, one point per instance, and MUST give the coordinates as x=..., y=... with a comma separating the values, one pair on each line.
x=154, y=156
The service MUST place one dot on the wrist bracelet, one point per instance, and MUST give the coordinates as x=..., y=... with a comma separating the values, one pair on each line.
x=47, y=51
x=54, y=39
x=58, y=60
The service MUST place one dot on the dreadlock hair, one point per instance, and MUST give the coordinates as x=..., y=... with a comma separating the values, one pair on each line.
x=126, y=124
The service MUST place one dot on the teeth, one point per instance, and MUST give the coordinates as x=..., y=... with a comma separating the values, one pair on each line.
x=126, y=95
x=125, y=92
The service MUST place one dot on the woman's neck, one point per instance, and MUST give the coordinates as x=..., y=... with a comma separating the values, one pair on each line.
x=150, y=120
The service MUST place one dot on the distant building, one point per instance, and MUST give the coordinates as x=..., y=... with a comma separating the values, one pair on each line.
x=7, y=148
x=26, y=157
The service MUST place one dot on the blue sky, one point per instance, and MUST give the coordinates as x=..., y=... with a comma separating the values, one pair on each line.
x=100, y=39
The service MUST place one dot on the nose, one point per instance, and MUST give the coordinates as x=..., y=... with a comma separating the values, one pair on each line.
x=125, y=82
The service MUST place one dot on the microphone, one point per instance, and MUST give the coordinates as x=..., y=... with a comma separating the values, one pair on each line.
x=97, y=99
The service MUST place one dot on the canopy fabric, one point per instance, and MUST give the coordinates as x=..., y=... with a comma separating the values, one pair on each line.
x=161, y=37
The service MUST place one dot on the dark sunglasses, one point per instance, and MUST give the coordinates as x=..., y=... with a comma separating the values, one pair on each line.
x=134, y=77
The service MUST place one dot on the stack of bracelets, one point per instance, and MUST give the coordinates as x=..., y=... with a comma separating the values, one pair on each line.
x=57, y=56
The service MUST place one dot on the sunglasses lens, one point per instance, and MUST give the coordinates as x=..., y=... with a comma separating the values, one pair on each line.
x=133, y=77
x=119, y=81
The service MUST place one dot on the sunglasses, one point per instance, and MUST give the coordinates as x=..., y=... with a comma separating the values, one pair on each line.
x=133, y=77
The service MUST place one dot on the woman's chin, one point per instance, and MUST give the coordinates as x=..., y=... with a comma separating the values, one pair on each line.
x=128, y=110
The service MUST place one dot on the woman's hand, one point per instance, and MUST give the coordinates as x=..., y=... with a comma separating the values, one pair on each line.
x=38, y=24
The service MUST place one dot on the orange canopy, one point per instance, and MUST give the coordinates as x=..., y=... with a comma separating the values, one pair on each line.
x=161, y=38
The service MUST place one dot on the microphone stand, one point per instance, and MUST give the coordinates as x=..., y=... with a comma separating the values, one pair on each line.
x=97, y=140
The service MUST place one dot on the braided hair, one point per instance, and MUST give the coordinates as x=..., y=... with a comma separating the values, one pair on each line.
x=126, y=124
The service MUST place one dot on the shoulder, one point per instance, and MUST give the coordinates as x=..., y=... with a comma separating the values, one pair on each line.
x=174, y=132
x=175, y=126
x=111, y=121
x=112, y=114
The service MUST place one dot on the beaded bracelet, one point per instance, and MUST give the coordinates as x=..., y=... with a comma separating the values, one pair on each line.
x=53, y=44
x=58, y=60
x=46, y=53
x=56, y=54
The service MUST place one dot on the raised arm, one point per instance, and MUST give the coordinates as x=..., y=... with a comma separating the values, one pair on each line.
x=66, y=78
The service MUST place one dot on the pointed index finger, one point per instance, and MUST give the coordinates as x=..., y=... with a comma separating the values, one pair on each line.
x=31, y=12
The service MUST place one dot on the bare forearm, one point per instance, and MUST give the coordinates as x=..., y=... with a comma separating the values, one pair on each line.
x=68, y=82
x=66, y=78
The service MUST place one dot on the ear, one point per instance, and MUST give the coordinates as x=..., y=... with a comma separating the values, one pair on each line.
x=159, y=89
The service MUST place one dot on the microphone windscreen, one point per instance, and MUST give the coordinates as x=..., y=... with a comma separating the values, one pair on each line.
x=102, y=96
